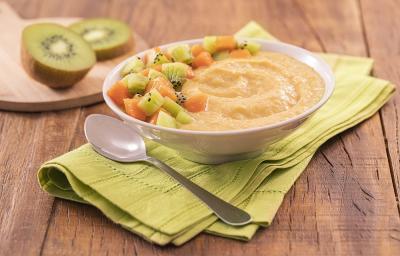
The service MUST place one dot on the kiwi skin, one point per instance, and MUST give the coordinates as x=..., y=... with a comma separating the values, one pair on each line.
x=111, y=53
x=47, y=75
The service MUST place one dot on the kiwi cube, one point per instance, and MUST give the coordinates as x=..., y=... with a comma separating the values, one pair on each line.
x=136, y=83
x=175, y=72
x=181, y=53
x=165, y=120
x=171, y=106
x=154, y=74
x=132, y=66
x=220, y=55
x=156, y=58
x=160, y=58
x=183, y=117
x=180, y=98
x=252, y=47
x=210, y=44
x=151, y=102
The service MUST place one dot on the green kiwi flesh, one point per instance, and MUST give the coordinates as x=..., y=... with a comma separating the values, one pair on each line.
x=165, y=120
x=133, y=66
x=171, y=106
x=151, y=102
x=135, y=82
x=183, y=117
x=109, y=38
x=175, y=72
x=55, y=55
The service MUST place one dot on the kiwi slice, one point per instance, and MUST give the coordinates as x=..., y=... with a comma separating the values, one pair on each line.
x=109, y=38
x=54, y=55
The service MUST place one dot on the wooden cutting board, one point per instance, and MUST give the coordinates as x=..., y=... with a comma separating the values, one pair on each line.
x=19, y=92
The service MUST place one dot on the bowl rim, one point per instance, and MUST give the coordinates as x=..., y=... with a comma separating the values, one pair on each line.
x=329, y=88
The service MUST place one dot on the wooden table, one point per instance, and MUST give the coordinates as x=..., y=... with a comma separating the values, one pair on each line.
x=346, y=202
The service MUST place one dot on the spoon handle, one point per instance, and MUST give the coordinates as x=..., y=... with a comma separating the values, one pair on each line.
x=226, y=212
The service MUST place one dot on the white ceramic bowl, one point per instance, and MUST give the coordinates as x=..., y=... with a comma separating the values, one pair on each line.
x=221, y=146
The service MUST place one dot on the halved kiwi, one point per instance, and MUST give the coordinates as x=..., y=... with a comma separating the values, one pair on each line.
x=55, y=55
x=109, y=38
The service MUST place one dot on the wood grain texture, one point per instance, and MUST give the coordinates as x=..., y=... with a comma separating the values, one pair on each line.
x=384, y=47
x=344, y=203
x=19, y=92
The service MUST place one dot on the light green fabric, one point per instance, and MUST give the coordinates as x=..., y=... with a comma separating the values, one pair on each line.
x=145, y=201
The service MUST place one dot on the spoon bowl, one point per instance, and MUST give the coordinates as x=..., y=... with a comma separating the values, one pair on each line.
x=113, y=140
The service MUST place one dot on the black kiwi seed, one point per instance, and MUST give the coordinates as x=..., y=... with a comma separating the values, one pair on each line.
x=180, y=98
x=176, y=83
x=243, y=45
x=46, y=44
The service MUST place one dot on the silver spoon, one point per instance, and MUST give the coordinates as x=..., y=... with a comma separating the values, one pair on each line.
x=115, y=140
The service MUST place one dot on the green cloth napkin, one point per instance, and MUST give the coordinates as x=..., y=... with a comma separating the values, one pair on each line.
x=147, y=202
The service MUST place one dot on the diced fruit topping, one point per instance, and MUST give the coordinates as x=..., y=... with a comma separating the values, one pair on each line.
x=204, y=59
x=176, y=73
x=180, y=98
x=197, y=49
x=154, y=57
x=154, y=73
x=145, y=71
x=136, y=83
x=133, y=66
x=118, y=92
x=150, y=87
x=189, y=73
x=171, y=106
x=224, y=43
x=196, y=103
x=157, y=67
x=221, y=55
x=165, y=120
x=163, y=86
x=252, y=47
x=240, y=53
x=181, y=53
x=183, y=117
x=210, y=44
x=132, y=109
x=151, y=102
x=153, y=118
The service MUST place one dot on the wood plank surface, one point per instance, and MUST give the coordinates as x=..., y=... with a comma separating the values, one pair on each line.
x=383, y=37
x=343, y=204
x=20, y=92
